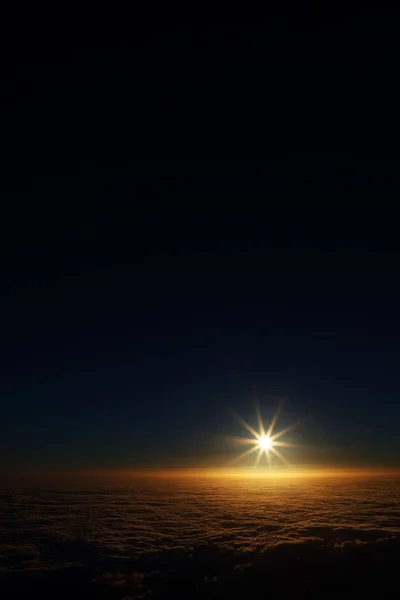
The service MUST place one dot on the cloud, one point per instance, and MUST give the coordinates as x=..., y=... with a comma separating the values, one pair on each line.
x=137, y=537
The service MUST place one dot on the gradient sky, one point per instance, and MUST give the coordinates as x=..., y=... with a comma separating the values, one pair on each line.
x=143, y=300
x=132, y=330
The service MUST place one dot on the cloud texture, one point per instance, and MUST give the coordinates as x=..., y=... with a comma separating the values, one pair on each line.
x=123, y=536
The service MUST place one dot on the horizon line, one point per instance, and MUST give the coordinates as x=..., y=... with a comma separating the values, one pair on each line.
x=297, y=472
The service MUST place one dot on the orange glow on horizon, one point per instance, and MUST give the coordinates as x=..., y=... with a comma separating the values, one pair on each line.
x=221, y=474
x=244, y=473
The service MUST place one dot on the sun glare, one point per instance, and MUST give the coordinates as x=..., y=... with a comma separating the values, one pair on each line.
x=264, y=441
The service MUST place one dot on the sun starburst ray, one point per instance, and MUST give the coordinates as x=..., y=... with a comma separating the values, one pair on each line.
x=260, y=422
x=285, y=444
x=258, y=457
x=264, y=441
x=284, y=431
x=243, y=441
x=280, y=456
x=274, y=419
x=246, y=453
x=248, y=427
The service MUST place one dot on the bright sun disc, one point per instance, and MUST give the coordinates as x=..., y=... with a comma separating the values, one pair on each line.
x=265, y=442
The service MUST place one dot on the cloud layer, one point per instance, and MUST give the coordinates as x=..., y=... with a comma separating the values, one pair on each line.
x=203, y=527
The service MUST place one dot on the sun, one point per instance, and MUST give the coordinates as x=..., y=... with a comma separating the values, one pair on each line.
x=264, y=441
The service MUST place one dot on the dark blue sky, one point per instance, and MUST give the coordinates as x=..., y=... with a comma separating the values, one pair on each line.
x=144, y=295
x=129, y=334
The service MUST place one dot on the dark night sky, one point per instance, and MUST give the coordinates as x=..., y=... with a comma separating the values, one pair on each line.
x=144, y=294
